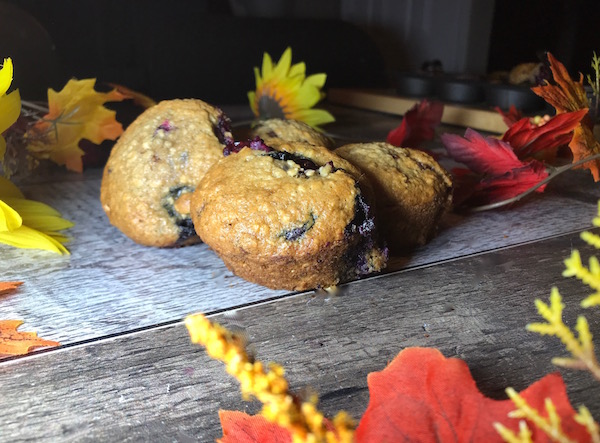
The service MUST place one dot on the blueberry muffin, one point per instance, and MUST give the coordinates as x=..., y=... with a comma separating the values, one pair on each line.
x=275, y=130
x=155, y=166
x=292, y=218
x=412, y=191
x=524, y=74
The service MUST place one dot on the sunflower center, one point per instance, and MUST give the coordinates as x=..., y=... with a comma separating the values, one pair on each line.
x=268, y=107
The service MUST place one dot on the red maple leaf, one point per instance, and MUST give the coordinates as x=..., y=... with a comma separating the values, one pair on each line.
x=239, y=427
x=501, y=174
x=418, y=125
x=422, y=396
x=511, y=117
x=510, y=184
x=527, y=139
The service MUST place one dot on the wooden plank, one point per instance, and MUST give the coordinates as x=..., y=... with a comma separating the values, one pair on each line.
x=153, y=385
x=110, y=285
x=383, y=101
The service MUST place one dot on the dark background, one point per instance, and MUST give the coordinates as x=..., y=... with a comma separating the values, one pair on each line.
x=175, y=48
x=187, y=48
x=570, y=29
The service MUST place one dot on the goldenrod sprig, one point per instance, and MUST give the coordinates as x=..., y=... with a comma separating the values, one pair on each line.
x=524, y=435
x=304, y=421
x=550, y=425
x=595, y=82
x=582, y=348
x=588, y=275
x=584, y=418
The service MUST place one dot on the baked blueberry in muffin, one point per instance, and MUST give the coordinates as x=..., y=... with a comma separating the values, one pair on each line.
x=294, y=217
x=155, y=166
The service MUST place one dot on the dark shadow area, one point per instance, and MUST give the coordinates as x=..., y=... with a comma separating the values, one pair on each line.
x=567, y=28
x=178, y=49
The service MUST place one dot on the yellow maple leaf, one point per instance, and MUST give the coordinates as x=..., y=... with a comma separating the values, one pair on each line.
x=75, y=113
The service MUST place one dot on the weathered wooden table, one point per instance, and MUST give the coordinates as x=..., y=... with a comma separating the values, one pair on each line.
x=128, y=372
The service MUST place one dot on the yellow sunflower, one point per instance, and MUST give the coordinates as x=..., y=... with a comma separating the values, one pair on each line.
x=29, y=224
x=284, y=91
x=10, y=104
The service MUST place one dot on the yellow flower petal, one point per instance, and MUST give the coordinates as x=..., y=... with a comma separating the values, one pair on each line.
x=10, y=109
x=9, y=218
x=283, y=66
x=28, y=238
x=298, y=69
x=267, y=66
x=314, y=117
x=308, y=96
x=6, y=75
x=259, y=80
x=39, y=216
x=284, y=91
x=29, y=224
x=316, y=80
x=8, y=189
x=253, y=103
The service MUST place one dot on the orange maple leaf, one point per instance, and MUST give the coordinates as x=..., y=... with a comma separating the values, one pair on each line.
x=8, y=286
x=13, y=342
x=138, y=98
x=568, y=95
x=75, y=113
x=582, y=145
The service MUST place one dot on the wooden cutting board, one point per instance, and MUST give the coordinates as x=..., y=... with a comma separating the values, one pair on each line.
x=385, y=101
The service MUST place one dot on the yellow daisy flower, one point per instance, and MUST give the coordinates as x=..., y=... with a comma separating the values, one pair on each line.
x=284, y=91
x=29, y=224
x=10, y=104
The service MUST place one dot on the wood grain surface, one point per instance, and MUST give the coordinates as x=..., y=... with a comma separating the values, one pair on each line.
x=153, y=385
x=110, y=285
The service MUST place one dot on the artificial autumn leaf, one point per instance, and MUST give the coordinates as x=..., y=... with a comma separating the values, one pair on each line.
x=584, y=144
x=510, y=117
x=13, y=342
x=138, y=98
x=8, y=286
x=483, y=155
x=510, y=184
x=418, y=125
x=75, y=113
x=566, y=95
x=423, y=396
x=239, y=427
x=527, y=139
x=499, y=174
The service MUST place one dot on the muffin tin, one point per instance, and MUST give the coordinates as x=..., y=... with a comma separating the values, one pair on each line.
x=468, y=90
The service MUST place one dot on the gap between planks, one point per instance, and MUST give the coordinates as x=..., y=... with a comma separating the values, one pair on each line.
x=288, y=296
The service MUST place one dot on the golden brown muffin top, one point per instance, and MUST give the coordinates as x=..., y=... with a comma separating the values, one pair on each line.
x=271, y=205
x=393, y=171
x=275, y=130
x=162, y=154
